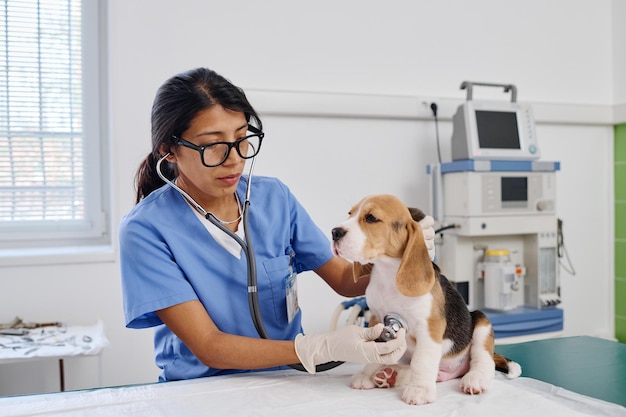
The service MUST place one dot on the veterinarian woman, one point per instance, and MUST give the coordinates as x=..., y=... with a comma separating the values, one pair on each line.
x=187, y=277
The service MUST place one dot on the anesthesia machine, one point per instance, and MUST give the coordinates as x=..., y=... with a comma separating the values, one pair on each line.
x=497, y=202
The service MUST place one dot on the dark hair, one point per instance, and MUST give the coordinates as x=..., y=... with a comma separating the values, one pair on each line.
x=176, y=104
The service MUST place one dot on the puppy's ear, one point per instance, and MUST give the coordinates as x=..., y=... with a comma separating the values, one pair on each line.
x=416, y=275
x=361, y=271
x=416, y=213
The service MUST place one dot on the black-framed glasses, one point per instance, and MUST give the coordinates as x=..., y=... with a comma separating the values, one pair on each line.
x=214, y=154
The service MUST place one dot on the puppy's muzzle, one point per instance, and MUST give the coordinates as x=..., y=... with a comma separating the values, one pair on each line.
x=338, y=233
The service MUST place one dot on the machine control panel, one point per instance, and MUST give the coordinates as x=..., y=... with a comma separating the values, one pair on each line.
x=499, y=193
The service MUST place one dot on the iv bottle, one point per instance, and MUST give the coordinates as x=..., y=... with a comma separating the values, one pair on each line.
x=500, y=278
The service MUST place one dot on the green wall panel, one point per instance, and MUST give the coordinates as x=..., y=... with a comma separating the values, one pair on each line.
x=620, y=221
x=620, y=259
x=620, y=232
x=620, y=143
x=620, y=181
x=620, y=303
x=620, y=329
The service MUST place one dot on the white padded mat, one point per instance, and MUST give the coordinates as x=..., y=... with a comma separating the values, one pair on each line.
x=293, y=393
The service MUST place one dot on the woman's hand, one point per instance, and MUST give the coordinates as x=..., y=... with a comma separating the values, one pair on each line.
x=350, y=344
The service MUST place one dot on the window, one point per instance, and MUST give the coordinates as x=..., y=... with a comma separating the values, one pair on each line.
x=52, y=187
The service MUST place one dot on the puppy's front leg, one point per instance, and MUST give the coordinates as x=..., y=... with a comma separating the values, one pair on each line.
x=422, y=388
x=482, y=365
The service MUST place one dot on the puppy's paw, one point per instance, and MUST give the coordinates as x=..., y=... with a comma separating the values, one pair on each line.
x=418, y=395
x=362, y=381
x=385, y=377
x=476, y=381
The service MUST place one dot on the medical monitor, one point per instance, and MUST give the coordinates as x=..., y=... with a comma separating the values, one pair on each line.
x=494, y=131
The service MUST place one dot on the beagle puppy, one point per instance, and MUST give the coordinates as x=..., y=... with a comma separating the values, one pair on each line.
x=445, y=340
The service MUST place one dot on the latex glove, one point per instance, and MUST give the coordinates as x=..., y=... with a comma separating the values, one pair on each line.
x=427, y=224
x=349, y=344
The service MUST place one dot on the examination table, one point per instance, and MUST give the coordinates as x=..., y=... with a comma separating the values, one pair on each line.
x=569, y=377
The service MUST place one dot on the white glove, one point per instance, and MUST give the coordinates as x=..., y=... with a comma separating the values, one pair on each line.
x=350, y=344
x=427, y=224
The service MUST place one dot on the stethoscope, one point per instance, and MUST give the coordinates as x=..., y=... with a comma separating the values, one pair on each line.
x=246, y=246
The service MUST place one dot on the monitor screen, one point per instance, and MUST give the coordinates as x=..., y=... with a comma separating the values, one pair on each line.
x=494, y=131
x=514, y=192
x=514, y=189
x=497, y=130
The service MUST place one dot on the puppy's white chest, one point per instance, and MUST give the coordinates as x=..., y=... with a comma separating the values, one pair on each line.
x=383, y=296
x=382, y=285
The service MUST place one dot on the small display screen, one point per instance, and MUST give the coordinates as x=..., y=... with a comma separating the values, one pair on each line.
x=497, y=129
x=514, y=189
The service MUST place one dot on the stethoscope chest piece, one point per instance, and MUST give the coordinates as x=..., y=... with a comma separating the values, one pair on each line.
x=393, y=323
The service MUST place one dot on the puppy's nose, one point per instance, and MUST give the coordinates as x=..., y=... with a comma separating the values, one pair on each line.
x=338, y=233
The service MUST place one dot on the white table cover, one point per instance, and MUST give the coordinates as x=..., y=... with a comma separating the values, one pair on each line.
x=295, y=394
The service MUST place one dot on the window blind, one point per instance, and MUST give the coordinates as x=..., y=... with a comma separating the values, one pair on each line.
x=41, y=135
x=49, y=87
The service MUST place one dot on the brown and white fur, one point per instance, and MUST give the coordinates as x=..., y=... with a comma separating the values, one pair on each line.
x=445, y=340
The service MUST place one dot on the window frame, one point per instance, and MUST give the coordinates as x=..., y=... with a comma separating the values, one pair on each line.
x=23, y=240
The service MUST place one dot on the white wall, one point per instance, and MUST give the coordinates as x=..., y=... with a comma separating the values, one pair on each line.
x=394, y=55
x=619, y=59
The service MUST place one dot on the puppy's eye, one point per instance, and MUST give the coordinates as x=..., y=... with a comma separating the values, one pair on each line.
x=370, y=218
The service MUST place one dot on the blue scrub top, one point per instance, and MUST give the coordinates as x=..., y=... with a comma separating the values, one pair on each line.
x=168, y=257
